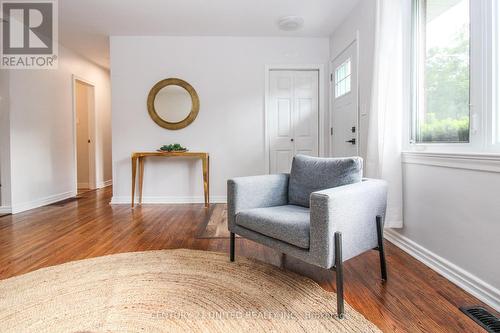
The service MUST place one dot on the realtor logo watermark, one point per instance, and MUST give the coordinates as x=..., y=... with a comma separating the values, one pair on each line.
x=29, y=34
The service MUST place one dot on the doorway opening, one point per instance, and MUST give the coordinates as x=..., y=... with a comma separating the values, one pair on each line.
x=84, y=134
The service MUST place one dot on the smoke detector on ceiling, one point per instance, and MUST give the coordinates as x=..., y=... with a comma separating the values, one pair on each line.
x=290, y=23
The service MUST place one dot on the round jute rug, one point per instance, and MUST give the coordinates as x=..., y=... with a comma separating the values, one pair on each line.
x=170, y=291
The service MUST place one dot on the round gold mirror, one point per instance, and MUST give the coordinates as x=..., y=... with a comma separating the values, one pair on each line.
x=173, y=103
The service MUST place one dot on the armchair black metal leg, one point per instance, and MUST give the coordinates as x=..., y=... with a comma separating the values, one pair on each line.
x=380, y=237
x=339, y=274
x=231, y=246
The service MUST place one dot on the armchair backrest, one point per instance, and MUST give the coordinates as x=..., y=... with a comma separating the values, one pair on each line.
x=311, y=174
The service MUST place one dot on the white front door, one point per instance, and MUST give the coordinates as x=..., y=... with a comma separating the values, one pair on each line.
x=345, y=129
x=293, y=116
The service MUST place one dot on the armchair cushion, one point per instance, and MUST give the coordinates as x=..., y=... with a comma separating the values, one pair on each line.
x=255, y=192
x=289, y=223
x=311, y=174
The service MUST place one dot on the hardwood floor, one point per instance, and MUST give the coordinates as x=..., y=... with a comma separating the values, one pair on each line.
x=415, y=298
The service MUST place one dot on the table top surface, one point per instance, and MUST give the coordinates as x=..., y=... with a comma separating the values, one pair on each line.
x=170, y=154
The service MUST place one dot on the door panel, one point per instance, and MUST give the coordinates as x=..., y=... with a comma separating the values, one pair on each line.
x=283, y=160
x=281, y=120
x=284, y=118
x=293, y=119
x=305, y=152
x=306, y=113
x=345, y=103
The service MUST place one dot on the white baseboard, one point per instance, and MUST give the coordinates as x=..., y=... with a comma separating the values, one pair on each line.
x=105, y=183
x=19, y=208
x=457, y=275
x=169, y=200
x=83, y=185
x=5, y=210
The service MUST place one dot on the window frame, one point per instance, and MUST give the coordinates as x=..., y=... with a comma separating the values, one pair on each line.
x=484, y=134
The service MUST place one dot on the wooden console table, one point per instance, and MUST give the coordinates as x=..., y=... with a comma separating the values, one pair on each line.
x=141, y=156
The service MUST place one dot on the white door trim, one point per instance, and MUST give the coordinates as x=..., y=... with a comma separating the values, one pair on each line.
x=321, y=90
x=93, y=134
x=332, y=95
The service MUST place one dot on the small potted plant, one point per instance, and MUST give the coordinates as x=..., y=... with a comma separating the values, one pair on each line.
x=173, y=148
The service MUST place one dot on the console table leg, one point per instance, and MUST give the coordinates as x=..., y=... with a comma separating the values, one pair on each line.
x=208, y=181
x=134, y=171
x=205, y=179
x=141, y=178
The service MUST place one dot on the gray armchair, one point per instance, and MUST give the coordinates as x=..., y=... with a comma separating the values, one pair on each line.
x=323, y=213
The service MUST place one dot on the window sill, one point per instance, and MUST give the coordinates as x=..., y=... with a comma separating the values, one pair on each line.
x=487, y=162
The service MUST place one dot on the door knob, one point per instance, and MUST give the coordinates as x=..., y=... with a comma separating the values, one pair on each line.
x=291, y=140
x=353, y=141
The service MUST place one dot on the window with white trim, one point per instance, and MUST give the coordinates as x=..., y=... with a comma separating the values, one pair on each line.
x=442, y=77
x=343, y=79
x=455, y=77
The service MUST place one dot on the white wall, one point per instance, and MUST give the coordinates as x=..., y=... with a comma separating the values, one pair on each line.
x=228, y=74
x=41, y=133
x=454, y=214
x=4, y=144
x=360, y=21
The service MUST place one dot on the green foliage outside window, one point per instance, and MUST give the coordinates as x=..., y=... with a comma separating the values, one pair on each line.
x=445, y=130
x=447, y=93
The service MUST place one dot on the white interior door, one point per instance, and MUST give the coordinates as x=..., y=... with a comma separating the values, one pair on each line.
x=345, y=124
x=293, y=116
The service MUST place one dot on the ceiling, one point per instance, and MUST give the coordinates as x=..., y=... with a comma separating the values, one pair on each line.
x=85, y=25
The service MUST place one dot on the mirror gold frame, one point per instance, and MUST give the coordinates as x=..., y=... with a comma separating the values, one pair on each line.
x=195, y=101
